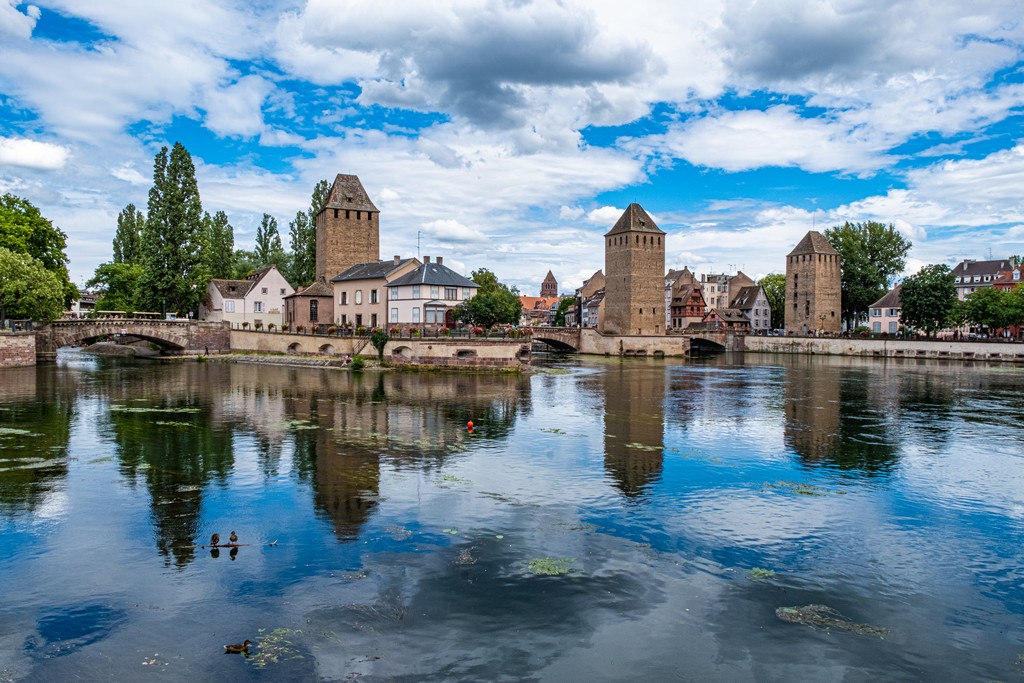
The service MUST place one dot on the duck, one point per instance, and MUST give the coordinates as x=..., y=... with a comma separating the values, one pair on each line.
x=238, y=648
x=215, y=539
x=233, y=537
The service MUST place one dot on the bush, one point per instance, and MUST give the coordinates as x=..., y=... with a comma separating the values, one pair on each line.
x=395, y=331
x=245, y=326
x=300, y=328
x=445, y=331
x=360, y=330
x=258, y=326
x=478, y=331
x=332, y=329
x=271, y=327
x=358, y=363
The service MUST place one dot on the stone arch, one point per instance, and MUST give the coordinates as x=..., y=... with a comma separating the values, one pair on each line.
x=327, y=349
x=293, y=348
x=403, y=351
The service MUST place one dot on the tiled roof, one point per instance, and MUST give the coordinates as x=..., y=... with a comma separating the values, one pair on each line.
x=731, y=315
x=433, y=274
x=531, y=303
x=634, y=219
x=373, y=270
x=972, y=268
x=348, y=193
x=233, y=289
x=890, y=300
x=318, y=288
x=813, y=243
x=549, y=277
x=746, y=297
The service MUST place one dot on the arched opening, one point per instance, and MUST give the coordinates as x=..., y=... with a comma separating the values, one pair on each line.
x=293, y=348
x=327, y=350
x=403, y=351
x=465, y=353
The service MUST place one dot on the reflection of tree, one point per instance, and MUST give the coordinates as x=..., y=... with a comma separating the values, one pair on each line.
x=634, y=423
x=37, y=407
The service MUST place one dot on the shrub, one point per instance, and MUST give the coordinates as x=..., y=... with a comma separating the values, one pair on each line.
x=300, y=328
x=358, y=363
x=395, y=331
x=478, y=331
x=332, y=329
x=444, y=331
x=245, y=326
x=271, y=327
x=415, y=331
x=361, y=330
x=258, y=326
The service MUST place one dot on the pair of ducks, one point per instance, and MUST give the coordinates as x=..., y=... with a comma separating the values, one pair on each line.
x=215, y=539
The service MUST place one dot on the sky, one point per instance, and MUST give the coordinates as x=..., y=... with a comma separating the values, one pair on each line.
x=510, y=135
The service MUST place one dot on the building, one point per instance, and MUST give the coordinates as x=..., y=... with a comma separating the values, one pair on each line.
x=813, y=287
x=347, y=228
x=310, y=306
x=634, y=260
x=671, y=277
x=687, y=305
x=725, y=319
x=592, y=311
x=884, y=314
x=753, y=302
x=588, y=290
x=549, y=288
x=537, y=309
x=360, y=292
x=258, y=299
x=428, y=294
x=720, y=289
x=971, y=275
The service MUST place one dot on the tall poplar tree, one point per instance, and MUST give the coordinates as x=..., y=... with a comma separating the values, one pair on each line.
x=172, y=240
x=268, y=243
x=873, y=254
x=302, y=236
x=128, y=238
x=220, y=245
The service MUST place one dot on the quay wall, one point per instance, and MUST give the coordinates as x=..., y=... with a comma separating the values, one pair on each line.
x=593, y=342
x=17, y=349
x=888, y=348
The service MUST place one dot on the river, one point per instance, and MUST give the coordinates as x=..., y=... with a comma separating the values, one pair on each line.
x=604, y=520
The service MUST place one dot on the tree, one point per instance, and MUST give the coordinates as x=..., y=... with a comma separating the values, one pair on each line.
x=173, y=259
x=493, y=304
x=128, y=238
x=24, y=230
x=119, y=283
x=379, y=339
x=927, y=298
x=243, y=262
x=872, y=255
x=28, y=289
x=774, y=286
x=563, y=306
x=220, y=245
x=302, y=237
x=988, y=307
x=268, y=243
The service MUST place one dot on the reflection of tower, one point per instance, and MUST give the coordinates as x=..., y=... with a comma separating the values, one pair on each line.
x=812, y=410
x=634, y=265
x=813, y=286
x=634, y=426
x=550, y=285
x=347, y=228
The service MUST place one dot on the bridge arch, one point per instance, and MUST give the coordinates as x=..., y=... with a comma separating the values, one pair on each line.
x=565, y=339
x=172, y=336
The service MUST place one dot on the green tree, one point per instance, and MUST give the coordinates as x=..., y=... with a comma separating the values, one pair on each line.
x=774, y=286
x=268, y=243
x=119, y=283
x=24, y=230
x=302, y=237
x=927, y=298
x=494, y=303
x=988, y=307
x=128, y=238
x=563, y=306
x=873, y=254
x=28, y=289
x=243, y=262
x=220, y=245
x=173, y=258
x=379, y=339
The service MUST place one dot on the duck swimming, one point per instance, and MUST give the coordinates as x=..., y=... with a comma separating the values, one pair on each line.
x=238, y=649
x=215, y=539
x=233, y=537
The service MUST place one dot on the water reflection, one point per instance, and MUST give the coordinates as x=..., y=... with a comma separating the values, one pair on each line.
x=634, y=424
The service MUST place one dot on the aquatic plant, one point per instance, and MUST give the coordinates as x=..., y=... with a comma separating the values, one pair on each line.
x=274, y=647
x=760, y=574
x=825, y=618
x=550, y=566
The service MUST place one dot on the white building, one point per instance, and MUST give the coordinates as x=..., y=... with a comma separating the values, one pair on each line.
x=428, y=294
x=258, y=298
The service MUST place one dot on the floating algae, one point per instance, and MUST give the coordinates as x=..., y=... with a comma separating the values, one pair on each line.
x=825, y=618
x=13, y=431
x=550, y=566
x=399, y=533
x=173, y=423
x=760, y=574
x=798, y=488
x=274, y=647
x=553, y=430
x=133, y=409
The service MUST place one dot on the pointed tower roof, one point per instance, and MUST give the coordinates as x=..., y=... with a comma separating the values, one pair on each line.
x=348, y=193
x=549, y=277
x=813, y=243
x=634, y=219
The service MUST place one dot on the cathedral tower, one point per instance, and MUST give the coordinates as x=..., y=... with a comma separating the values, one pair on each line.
x=347, y=228
x=634, y=265
x=550, y=286
x=814, y=286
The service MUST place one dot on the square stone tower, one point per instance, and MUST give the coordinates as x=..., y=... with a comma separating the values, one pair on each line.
x=814, y=286
x=347, y=228
x=634, y=265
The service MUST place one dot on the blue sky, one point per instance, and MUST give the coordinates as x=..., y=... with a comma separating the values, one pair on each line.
x=510, y=135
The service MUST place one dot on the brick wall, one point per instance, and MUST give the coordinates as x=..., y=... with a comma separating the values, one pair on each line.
x=17, y=350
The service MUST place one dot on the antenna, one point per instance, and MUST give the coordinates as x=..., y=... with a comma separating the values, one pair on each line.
x=417, y=244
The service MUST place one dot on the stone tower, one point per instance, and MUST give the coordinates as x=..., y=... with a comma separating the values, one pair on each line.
x=814, y=286
x=634, y=266
x=347, y=228
x=550, y=286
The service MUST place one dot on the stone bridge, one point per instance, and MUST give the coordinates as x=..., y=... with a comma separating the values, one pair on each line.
x=172, y=336
x=589, y=340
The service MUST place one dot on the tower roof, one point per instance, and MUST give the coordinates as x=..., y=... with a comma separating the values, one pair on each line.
x=348, y=193
x=549, y=277
x=813, y=243
x=634, y=219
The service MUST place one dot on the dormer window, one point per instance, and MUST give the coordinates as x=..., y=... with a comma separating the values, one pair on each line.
x=1016, y=275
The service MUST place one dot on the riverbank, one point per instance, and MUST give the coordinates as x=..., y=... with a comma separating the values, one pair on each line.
x=888, y=348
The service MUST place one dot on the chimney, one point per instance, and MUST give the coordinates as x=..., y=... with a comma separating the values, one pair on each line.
x=440, y=260
x=398, y=259
x=426, y=259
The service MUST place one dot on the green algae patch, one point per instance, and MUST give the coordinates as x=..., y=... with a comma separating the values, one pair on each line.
x=116, y=408
x=273, y=647
x=173, y=423
x=825, y=618
x=553, y=430
x=797, y=487
x=550, y=566
x=13, y=431
x=105, y=458
x=761, y=574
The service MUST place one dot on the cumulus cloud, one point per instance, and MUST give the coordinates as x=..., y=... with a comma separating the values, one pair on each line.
x=15, y=24
x=237, y=108
x=606, y=215
x=32, y=154
x=128, y=173
x=452, y=230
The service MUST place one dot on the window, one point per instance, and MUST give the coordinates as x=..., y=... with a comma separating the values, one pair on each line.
x=875, y=312
x=344, y=298
x=264, y=291
x=876, y=326
x=374, y=297
x=894, y=312
x=344, y=319
x=466, y=294
x=373, y=320
x=394, y=293
x=415, y=314
x=314, y=309
x=257, y=306
x=434, y=315
x=453, y=292
x=229, y=306
x=359, y=319
x=433, y=291
x=394, y=315
x=892, y=327
x=987, y=278
x=282, y=291
x=359, y=296
x=415, y=291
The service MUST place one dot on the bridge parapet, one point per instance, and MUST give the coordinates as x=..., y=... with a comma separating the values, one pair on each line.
x=175, y=336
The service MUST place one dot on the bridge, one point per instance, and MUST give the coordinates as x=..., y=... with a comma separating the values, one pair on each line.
x=172, y=336
x=589, y=340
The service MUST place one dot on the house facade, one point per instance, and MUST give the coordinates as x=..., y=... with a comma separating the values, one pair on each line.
x=725, y=319
x=970, y=275
x=884, y=314
x=258, y=299
x=361, y=292
x=720, y=289
x=428, y=294
x=310, y=307
x=753, y=301
x=687, y=305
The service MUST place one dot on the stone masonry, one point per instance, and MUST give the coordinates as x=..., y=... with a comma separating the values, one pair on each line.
x=814, y=287
x=634, y=257
x=347, y=228
x=17, y=350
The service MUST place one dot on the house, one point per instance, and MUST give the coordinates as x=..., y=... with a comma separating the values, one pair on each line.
x=753, y=302
x=258, y=299
x=970, y=275
x=360, y=292
x=687, y=305
x=537, y=309
x=725, y=319
x=671, y=278
x=720, y=289
x=1008, y=280
x=310, y=307
x=588, y=303
x=593, y=310
x=884, y=314
x=428, y=294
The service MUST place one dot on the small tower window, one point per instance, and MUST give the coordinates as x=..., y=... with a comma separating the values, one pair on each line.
x=336, y=213
x=346, y=213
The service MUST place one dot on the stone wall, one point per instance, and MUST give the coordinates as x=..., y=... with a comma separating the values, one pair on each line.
x=888, y=348
x=17, y=350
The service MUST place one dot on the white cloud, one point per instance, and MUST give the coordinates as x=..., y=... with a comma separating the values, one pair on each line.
x=453, y=231
x=236, y=109
x=32, y=154
x=128, y=173
x=570, y=213
x=13, y=23
x=606, y=216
